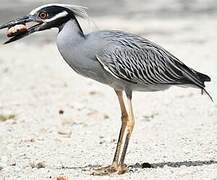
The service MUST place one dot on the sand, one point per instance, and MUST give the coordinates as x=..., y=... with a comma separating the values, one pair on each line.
x=175, y=130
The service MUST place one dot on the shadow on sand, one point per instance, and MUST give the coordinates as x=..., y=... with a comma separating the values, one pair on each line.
x=173, y=164
x=153, y=165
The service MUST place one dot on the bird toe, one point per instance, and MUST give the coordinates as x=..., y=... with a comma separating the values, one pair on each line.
x=109, y=170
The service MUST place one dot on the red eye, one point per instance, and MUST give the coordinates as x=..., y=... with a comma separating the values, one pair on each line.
x=43, y=15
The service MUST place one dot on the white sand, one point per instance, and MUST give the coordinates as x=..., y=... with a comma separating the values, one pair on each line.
x=175, y=130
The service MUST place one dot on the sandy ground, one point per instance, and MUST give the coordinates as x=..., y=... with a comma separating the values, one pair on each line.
x=175, y=130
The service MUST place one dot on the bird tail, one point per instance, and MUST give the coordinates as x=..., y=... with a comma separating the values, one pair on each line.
x=203, y=78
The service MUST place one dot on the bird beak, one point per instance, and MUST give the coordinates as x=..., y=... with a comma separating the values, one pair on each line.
x=23, y=20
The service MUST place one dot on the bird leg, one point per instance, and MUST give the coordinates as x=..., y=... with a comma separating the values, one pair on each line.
x=124, y=118
x=127, y=121
x=121, y=168
x=115, y=167
x=130, y=126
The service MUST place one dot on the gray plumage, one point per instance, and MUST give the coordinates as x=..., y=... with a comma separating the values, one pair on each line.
x=124, y=61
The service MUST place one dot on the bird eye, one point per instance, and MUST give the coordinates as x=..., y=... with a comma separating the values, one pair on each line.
x=43, y=15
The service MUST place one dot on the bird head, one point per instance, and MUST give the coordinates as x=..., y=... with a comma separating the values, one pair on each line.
x=46, y=17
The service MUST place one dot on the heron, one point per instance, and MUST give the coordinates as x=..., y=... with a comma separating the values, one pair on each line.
x=124, y=61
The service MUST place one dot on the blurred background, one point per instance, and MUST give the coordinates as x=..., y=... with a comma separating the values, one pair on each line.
x=123, y=8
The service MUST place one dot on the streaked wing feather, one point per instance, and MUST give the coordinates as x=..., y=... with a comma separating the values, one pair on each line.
x=138, y=60
x=145, y=66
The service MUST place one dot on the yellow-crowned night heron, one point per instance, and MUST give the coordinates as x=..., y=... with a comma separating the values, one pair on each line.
x=124, y=61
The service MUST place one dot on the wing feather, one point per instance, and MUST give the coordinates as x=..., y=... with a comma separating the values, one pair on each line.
x=139, y=66
x=138, y=60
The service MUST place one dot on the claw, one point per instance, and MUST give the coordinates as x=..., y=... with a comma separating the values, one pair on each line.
x=110, y=170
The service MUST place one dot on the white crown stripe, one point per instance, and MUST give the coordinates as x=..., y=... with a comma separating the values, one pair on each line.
x=77, y=10
x=62, y=14
x=34, y=11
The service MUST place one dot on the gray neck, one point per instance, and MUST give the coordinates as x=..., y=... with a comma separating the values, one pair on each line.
x=75, y=25
x=69, y=40
x=70, y=34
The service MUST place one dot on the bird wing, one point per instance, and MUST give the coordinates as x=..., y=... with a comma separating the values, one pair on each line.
x=149, y=64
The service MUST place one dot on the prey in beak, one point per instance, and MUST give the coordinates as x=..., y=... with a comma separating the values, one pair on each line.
x=18, y=29
x=43, y=18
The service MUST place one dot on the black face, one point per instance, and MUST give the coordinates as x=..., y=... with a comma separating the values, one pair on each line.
x=54, y=16
x=48, y=12
x=45, y=17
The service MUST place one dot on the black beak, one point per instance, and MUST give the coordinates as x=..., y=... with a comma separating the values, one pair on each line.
x=22, y=20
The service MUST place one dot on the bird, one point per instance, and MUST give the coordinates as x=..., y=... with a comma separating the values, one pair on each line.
x=124, y=61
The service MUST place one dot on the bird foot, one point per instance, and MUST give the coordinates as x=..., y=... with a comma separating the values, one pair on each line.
x=110, y=170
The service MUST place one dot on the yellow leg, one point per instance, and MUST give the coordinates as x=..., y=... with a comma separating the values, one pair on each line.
x=127, y=121
x=130, y=126
x=124, y=118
